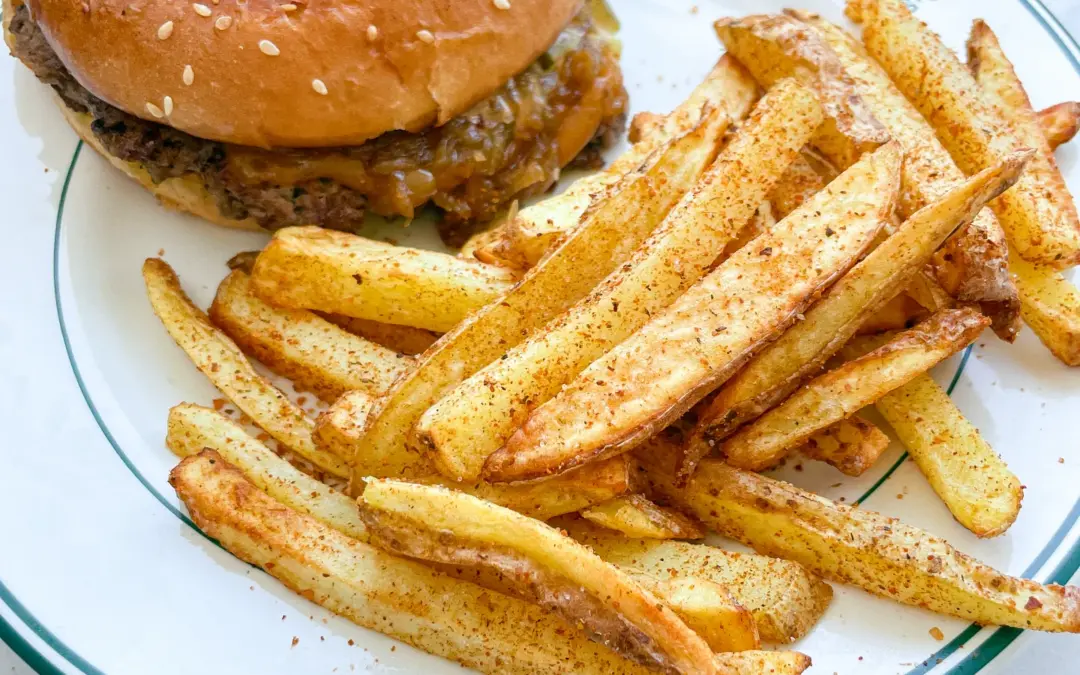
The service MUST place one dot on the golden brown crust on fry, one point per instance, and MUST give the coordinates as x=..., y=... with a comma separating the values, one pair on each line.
x=1060, y=122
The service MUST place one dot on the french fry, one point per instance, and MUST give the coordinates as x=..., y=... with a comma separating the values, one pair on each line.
x=707, y=608
x=606, y=238
x=477, y=417
x=536, y=229
x=439, y=525
x=972, y=129
x=401, y=339
x=1060, y=122
x=973, y=264
x=851, y=445
x=295, y=343
x=784, y=599
x=635, y=516
x=774, y=47
x=775, y=372
x=228, y=369
x=194, y=428
x=845, y=390
x=474, y=626
x=1051, y=307
x=851, y=545
x=798, y=184
x=901, y=312
x=314, y=268
x=972, y=480
x=699, y=341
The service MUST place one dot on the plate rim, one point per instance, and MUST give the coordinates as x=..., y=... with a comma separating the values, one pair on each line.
x=983, y=654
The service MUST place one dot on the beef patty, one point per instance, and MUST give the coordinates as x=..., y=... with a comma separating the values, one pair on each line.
x=507, y=146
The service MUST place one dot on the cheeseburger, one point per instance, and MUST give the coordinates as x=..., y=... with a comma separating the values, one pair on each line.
x=271, y=113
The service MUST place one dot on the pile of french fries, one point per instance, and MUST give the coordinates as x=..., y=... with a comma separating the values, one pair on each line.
x=538, y=433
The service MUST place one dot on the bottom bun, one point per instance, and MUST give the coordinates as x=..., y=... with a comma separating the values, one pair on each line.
x=183, y=193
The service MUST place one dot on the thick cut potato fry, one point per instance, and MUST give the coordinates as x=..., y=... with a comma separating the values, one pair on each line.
x=972, y=128
x=536, y=229
x=775, y=372
x=477, y=417
x=193, y=428
x=700, y=340
x=1051, y=307
x=443, y=526
x=312, y=352
x=605, y=239
x=860, y=547
x=1060, y=122
x=401, y=339
x=784, y=599
x=973, y=264
x=972, y=480
x=774, y=47
x=707, y=608
x=315, y=268
x=851, y=445
x=845, y=390
x=406, y=600
x=635, y=516
x=798, y=184
x=228, y=369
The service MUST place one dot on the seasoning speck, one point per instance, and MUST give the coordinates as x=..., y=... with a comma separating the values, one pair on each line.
x=288, y=7
x=936, y=633
x=165, y=30
x=295, y=641
x=189, y=75
x=168, y=105
x=223, y=22
x=154, y=110
x=201, y=9
x=425, y=36
x=501, y=4
x=319, y=86
x=268, y=48
x=372, y=32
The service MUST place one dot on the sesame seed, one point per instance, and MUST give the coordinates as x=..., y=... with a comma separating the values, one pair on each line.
x=168, y=105
x=425, y=36
x=501, y=4
x=165, y=30
x=189, y=75
x=289, y=7
x=319, y=86
x=154, y=110
x=223, y=22
x=201, y=9
x=268, y=48
x=372, y=32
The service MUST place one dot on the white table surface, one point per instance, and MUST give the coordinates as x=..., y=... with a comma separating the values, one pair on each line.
x=1051, y=653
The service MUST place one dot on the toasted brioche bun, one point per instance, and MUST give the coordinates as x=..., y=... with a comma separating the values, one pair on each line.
x=404, y=78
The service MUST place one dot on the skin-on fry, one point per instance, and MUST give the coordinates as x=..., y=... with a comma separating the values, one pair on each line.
x=406, y=600
x=851, y=445
x=635, y=516
x=477, y=417
x=846, y=389
x=341, y=426
x=401, y=339
x=972, y=129
x=804, y=349
x=536, y=229
x=903, y=311
x=606, y=238
x=1051, y=307
x=228, y=369
x=784, y=599
x=439, y=525
x=312, y=352
x=775, y=46
x=973, y=264
x=315, y=268
x=852, y=545
x=707, y=608
x=972, y=480
x=699, y=341
x=1060, y=122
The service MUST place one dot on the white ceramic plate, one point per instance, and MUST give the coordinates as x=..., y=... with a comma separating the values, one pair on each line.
x=102, y=572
